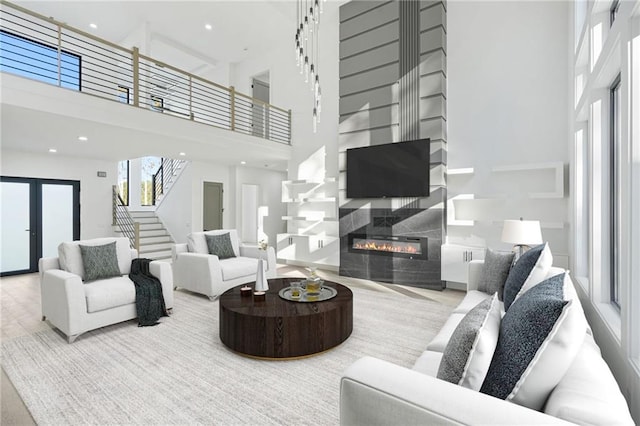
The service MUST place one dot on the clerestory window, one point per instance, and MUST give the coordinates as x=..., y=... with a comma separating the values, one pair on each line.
x=615, y=191
x=38, y=61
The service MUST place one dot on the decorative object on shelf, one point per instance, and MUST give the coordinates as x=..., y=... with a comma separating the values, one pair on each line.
x=307, y=49
x=521, y=233
x=245, y=291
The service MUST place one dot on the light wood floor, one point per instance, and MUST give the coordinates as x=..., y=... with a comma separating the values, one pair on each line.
x=21, y=314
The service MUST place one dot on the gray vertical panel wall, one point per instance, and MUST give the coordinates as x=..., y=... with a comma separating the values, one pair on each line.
x=392, y=89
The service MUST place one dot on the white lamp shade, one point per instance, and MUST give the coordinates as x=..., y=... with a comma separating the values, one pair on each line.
x=525, y=232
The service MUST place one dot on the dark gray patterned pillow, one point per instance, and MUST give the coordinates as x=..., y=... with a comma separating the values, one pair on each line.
x=539, y=337
x=100, y=261
x=468, y=353
x=520, y=272
x=496, y=270
x=220, y=245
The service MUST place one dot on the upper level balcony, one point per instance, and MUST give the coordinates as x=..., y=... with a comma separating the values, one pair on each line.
x=45, y=50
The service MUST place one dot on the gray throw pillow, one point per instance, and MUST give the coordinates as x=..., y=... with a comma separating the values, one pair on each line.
x=496, y=269
x=100, y=261
x=467, y=356
x=519, y=273
x=540, y=336
x=220, y=245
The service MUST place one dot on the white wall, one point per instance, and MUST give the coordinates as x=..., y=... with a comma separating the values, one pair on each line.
x=314, y=155
x=289, y=91
x=508, y=86
x=209, y=172
x=175, y=207
x=508, y=103
x=181, y=209
x=269, y=195
x=95, y=192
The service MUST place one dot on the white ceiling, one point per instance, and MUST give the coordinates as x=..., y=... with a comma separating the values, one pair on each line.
x=237, y=25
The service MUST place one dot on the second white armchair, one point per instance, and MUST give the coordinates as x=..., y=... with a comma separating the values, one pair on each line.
x=195, y=269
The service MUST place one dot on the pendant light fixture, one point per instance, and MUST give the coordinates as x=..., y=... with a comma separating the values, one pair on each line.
x=307, y=49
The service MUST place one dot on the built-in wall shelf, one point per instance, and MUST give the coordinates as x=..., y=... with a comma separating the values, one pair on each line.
x=312, y=223
x=556, y=168
x=543, y=224
x=451, y=211
x=309, y=181
x=309, y=219
x=460, y=171
x=311, y=200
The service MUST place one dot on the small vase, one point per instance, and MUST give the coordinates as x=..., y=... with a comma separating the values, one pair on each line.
x=261, y=277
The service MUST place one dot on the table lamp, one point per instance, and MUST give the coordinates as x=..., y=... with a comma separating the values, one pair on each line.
x=521, y=233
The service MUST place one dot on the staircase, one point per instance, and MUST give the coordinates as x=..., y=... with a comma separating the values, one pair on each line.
x=155, y=240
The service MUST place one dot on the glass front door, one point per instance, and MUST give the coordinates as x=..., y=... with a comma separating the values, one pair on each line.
x=15, y=226
x=37, y=215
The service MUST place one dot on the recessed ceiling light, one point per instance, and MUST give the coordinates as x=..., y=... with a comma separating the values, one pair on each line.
x=83, y=138
x=208, y=27
x=182, y=154
x=53, y=150
x=92, y=25
x=243, y=162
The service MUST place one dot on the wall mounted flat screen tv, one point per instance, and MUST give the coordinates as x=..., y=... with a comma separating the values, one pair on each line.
x=390, y=170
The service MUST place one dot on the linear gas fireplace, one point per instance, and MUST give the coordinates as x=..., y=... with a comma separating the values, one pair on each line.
x=409, y=247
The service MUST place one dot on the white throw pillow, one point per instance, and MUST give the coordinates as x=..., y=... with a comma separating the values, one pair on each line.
x=468, y=353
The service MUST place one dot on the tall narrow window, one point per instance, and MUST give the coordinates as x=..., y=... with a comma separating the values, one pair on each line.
x=149, y=167
x=615, y=191
x=123, y=181
x=582, y=200
x=32, y=59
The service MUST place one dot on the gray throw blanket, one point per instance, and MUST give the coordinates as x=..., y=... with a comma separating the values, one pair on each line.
x=149, y=299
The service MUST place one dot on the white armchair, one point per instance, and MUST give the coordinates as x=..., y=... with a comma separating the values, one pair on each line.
x=196, y=270
x=74, y=307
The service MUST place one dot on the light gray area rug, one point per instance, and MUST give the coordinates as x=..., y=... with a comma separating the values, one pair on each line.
x=180, y=373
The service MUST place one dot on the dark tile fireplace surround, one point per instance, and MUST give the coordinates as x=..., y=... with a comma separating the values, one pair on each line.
x=384, y=245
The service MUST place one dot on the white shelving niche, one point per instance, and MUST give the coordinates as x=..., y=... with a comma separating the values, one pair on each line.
x=312, y=224
x=480, y=200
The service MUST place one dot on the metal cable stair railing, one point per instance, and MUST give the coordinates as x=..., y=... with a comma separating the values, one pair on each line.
x=41, y=48
x=123, y=220
x=163, y=178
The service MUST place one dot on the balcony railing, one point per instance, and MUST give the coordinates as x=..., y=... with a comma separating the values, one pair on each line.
x=44, y=49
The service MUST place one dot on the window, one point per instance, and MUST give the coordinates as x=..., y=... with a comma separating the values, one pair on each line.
x=157, y=103
x=149, y=166
x=123, y=181
x=38, y=61
x=615, y=191
x=123, y=94
x=582, y=201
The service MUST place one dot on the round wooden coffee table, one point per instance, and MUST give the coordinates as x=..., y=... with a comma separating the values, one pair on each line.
x=278, y=328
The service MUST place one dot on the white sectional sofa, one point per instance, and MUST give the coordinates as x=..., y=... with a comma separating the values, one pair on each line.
x=376, y=392
x=195, y=269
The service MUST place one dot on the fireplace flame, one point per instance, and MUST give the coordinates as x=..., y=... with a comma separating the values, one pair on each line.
x=394, y=247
